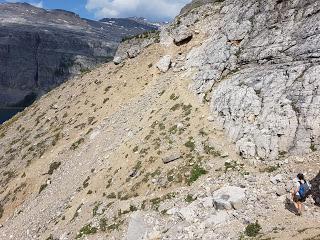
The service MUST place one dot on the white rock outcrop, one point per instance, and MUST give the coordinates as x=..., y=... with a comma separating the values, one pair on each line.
x=262, y=83
x=181, y=34
x=164, y=63
x=137, y=228
x=228, y=198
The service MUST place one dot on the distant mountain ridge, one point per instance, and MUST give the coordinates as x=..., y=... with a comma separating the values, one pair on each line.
x=39, y=49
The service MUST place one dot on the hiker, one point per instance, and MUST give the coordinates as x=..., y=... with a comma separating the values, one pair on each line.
x=300, y=192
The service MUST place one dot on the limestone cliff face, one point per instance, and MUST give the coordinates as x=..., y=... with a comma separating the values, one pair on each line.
x=40, y=49
x=259, y=71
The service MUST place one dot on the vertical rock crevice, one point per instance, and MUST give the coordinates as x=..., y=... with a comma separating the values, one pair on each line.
x=36, y=58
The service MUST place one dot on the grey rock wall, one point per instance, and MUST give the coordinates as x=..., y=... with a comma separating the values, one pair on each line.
x=259, y=68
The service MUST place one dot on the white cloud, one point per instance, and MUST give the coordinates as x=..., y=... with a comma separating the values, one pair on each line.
x=36, y=4
x=39, y=4
x=151, y=9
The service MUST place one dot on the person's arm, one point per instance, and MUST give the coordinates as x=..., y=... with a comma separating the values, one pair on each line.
x=310, y=186
x=293, y=190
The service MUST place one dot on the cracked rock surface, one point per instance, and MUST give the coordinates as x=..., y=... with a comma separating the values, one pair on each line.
x=259, y=70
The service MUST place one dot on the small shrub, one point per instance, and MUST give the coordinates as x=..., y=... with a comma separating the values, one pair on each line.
x=162, y=126
x=76, y=214
x=190, y=144
x=2, y=135
x=89, y=131
x=189, y=198
x=107, y=89
x=103, y=224
x=173, y=129
x=109, y=183
x=135, y=149
x=86, y=182
x=232, y=165
x=154, y=124
x=271, y=169
x=253, y=229
x=90, y=120
x=123, y=197
x=211, y=151
x=43, y=187
x=1, y=211
x=114, y=226
x=174, y=97
x=156, y=173
x=112, y=195
x=84, y=70
x=155, y=203
x=50, y=237
x=133, y=208
x=313, y=148
x=187, y=109
x=282, y=153
x=56, y=138
x=148, y=137
x=144, y=151
x=95, y=209
x=76, y=144
x=175, y=107
x=137, y=166
x=53, y=166
x=203, y=133
x=196, y=172
x=170, y=178
x=162, y=92
x=87, y=230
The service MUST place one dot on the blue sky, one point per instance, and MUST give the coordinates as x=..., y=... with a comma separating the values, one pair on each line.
x=154, y=10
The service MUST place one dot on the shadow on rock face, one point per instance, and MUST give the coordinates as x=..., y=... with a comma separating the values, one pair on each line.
x=184, y=41
x=315, y=190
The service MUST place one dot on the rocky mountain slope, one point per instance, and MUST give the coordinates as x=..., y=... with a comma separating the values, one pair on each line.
x=40, y=49
x=197, y=135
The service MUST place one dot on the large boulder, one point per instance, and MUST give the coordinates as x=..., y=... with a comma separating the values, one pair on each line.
x=164, y=63
x=181, y=35
x=228, y=198
x=134, y=51
x=137, y=228
x=188, y=213
x=117, y=60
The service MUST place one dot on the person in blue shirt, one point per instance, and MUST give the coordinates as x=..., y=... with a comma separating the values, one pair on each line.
x=300, y=192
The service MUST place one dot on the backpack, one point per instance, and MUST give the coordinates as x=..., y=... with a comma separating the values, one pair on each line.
x=304, y=189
